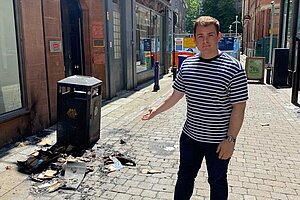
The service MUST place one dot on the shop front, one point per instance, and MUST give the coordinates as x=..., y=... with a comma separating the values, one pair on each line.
x=152, y=30
x=148, y=38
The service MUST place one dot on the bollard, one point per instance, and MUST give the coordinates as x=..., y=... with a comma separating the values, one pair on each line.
x=156, y=76
x=268, y=74
x=174, y=70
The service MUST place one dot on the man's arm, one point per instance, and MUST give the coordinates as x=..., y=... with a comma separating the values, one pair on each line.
x=169, y=102
x=236, y=119
x=225, y=148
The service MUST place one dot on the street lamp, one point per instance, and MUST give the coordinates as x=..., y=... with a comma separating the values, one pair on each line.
x=236, y=22
x=230, y=30
x=271, y=32
x=268, y=78
x=246, y=35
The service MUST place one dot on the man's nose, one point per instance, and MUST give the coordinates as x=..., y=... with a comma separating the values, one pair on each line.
x=205, y=39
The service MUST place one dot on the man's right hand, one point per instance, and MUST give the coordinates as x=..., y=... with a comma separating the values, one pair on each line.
x=170, y=101
x=150, y=114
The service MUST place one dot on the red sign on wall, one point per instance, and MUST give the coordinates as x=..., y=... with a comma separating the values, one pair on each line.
x=55, y=46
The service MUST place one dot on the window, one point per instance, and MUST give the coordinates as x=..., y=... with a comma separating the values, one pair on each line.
x=10, y=88
x=117, y=35
x=148, y=38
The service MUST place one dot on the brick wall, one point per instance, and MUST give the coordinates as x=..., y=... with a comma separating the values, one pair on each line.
x=94, y=23
x=35, y=64
x=54, y=60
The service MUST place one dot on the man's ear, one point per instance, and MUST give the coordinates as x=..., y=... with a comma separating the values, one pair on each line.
x=219, y=36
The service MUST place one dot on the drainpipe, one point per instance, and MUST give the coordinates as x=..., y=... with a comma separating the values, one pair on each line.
x=174, y=70
x=46, y=65
x=106, y=17
x=290, y=67
x=281, y=21
x=296, y=78
x=133, y=43
x=243, y=23
x=247, y=28
x=286, y=23
x=269, y=67
x=295, y=73
x=271, y=34
x=255, y=5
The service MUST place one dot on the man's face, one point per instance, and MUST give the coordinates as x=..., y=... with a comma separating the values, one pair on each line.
x=206, y=39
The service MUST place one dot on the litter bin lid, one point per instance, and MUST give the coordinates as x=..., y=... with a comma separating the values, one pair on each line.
x=183, y=56
x=80, y=80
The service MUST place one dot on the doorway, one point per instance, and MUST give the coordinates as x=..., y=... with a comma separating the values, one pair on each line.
x=115, y=73
x=71, y=17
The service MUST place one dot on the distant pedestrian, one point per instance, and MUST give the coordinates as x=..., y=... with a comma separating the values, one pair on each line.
x=215, y=88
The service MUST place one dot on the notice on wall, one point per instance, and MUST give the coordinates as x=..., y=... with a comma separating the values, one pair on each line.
x=98, y=42
x=178, y=44
x=147, y=44
x=55, y=46
x=10, y=98
x=188, y=43
x=255, y=68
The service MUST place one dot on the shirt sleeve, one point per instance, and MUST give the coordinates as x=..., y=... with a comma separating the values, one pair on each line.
x=178, y=84
x=238, y=88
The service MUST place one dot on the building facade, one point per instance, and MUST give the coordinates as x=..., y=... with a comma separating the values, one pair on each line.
x=179, y=7
x=257, y=26
x=43, y=41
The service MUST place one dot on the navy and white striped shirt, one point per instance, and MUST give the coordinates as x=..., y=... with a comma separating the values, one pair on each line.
x=211, y=86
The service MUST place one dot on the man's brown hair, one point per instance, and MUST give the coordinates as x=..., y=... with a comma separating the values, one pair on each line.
x=206, y=21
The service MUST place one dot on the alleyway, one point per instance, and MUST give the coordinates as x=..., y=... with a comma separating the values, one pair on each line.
x=265, y=164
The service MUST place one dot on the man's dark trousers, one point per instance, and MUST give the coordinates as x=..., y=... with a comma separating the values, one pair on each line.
x=191, y=156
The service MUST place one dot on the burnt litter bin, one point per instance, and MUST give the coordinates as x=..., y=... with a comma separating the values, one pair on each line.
x=78, y=111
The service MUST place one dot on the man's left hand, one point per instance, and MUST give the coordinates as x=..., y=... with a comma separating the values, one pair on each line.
x=225, y=149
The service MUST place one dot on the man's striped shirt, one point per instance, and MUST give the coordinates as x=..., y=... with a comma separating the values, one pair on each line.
x=211, y=86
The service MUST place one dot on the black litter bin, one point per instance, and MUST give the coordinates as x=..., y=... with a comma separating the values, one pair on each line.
x=181, y=58
x=78, y=111
x=280, y=67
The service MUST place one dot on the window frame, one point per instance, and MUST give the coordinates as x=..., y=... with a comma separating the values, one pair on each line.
x=19, y=41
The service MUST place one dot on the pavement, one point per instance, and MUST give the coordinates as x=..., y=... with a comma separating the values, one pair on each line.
x=265, y=164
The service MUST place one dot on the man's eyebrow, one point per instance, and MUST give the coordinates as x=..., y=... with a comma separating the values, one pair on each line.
x=206, y=33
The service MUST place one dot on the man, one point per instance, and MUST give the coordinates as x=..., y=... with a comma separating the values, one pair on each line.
x=215, y=87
